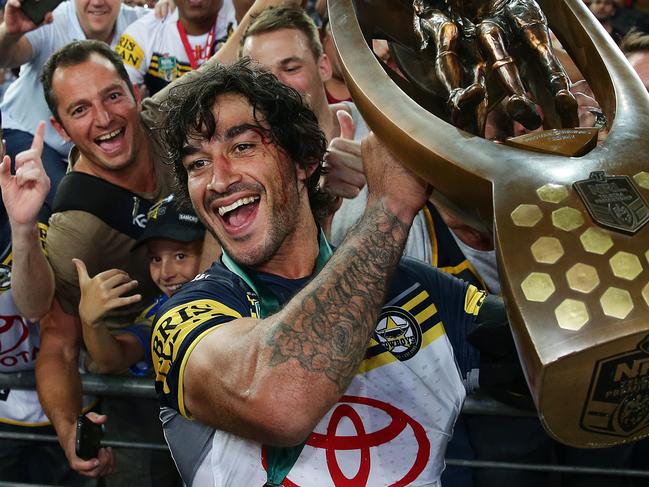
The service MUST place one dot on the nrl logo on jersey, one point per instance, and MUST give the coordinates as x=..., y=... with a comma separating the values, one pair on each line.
x=398, y=332
x=255, y=307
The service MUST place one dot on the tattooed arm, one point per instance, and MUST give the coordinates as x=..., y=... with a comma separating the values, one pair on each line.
x=272, y=380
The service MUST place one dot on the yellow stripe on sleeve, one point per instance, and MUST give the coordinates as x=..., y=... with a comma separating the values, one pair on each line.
x=181, y=392
x=426, y=313
x=172, y=328
x=379, y=360
x=415, y=301
x=433, y=334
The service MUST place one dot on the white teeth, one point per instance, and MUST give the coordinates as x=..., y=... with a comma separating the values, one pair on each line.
x=240, y=202
x=109, y=135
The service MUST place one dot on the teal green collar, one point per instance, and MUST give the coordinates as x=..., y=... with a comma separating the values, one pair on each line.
x=268, y=303
x=280, y=460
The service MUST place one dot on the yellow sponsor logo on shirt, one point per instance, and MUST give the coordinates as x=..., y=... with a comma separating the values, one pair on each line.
x=130, y=51
x=171, y=329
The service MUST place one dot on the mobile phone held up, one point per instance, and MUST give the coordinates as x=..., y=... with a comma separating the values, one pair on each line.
x=89, y=437
x=35, y=10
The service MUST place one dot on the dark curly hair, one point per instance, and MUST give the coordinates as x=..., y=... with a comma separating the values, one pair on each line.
x=187, y=114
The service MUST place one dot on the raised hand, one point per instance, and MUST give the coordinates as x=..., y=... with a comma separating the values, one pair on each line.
x=24, y=192
x=402, y=192
x=163, y=8
x=103, y=293
x=16, y=22
x=344, y=176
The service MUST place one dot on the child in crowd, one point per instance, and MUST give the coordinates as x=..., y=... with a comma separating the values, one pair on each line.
x=174, y=241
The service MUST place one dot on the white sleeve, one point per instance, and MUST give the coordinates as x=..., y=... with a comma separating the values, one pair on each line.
x=41, y=40
x=132, y=52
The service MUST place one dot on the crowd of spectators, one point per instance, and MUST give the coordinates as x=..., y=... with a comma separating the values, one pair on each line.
x=91, y=257
x=618, y=18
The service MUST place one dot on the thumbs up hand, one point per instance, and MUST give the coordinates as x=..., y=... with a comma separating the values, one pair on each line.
x=24, y=192
x=343, y=175
x=102, y=293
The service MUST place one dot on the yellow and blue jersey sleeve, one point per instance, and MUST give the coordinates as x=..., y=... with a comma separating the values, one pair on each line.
x=194, y=312
x=457, y=305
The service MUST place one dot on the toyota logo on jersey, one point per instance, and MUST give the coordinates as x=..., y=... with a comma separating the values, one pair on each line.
x=13, y=332
x=362, y=436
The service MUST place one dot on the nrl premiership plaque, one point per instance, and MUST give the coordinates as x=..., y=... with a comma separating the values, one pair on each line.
x=571, y=233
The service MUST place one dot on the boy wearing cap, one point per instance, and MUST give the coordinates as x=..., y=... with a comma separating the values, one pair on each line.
x=174, y=241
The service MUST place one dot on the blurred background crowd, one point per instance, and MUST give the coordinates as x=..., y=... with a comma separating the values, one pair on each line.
x=158, y=44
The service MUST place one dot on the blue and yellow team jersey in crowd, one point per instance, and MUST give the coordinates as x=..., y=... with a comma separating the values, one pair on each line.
x=389, y=428
x=141, y=329
x=155, y=51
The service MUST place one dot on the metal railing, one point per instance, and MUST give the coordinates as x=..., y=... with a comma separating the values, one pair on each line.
x=105, y=385
x=111, y=385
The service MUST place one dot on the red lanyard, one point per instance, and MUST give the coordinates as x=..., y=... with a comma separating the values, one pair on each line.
x=207, y=52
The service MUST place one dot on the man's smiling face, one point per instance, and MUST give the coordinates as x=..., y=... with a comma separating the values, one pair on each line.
x=286, y=53
x=98, y=17
x=244, y=188
x=98, y=112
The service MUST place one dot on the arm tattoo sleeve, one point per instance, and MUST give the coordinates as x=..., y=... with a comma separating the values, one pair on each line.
x=327, y=326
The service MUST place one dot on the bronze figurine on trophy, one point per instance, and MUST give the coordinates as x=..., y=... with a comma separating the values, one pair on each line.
x=488, y=27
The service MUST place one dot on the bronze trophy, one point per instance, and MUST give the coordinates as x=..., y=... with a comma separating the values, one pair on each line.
x=570, y=232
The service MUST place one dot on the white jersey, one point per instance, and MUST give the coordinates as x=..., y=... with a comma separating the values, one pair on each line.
x=24, y=103
x=154, y=53
x=393, y=423
x=19, y=342
x=19, y=345
x=390, y=428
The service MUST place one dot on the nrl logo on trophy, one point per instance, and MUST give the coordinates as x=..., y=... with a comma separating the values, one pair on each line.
x=613, y=201
x=618, y=402
x=568, y=211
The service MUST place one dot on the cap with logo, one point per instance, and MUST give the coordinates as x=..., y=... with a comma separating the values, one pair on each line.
x=165, y=221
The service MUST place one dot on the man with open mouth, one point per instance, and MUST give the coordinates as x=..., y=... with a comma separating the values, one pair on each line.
x=99, y=212
x=287, y=362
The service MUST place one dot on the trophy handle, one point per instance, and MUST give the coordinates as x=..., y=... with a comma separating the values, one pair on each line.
x=571, y=234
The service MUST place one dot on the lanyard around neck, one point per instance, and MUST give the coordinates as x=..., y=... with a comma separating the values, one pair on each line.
x=207, y=51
